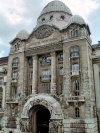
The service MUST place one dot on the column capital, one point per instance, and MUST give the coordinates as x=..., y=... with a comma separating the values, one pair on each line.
x=34, y=57
x=53, y=53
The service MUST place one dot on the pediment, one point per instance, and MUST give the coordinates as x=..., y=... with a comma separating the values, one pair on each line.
x=43, y=32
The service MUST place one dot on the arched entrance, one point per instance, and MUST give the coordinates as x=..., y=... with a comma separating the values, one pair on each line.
x=41, y=113
x=42, y=120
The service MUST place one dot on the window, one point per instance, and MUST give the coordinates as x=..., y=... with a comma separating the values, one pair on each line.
x=0, y=106
x=61, y=71
x=74, y=33
x=60, y=57
x=45, y=88
x=30, y=89
x=15, y=62
x=51, y=17
x=76, y=87
x=43, y=19
x=61, y=85
x=1, y=81
x=75, y=69
x=62, y=17
x=31, y=74
x=14, y=75
x=46, y=74
x=30, y=62
x=14, y=92
x=74, y=52
x=77, y=112
x=46, y=60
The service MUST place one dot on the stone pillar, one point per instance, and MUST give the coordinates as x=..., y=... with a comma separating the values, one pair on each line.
x=97, y=90
x=3, y=97
x=53, y=73
x=35, y=75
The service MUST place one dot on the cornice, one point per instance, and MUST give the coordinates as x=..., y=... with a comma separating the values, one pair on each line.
x=44, y=48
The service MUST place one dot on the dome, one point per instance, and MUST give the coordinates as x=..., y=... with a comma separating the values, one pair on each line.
x=55, y=6
x=76, y=19
x=22, y=35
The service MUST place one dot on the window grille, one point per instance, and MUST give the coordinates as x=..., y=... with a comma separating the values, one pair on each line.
x=74, y=52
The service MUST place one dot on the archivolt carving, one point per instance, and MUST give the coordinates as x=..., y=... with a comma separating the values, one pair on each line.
x=43, y=31
x=47, y=101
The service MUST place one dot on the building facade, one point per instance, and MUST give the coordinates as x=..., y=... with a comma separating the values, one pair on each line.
x=53, y=77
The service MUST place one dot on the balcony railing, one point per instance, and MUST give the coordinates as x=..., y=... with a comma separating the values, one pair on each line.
x=14, y=65
x=76, y=99
x=75, y=73
x=45, y=77
x=12, y=100
x=74, y=54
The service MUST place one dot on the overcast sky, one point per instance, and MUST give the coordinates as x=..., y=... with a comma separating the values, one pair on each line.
x=16, y=15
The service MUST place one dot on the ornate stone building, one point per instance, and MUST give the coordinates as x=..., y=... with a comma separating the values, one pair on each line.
x=53, y=76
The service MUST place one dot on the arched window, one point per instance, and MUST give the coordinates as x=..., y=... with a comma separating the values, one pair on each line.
x=77, y=112
x=15, y=62
x=51, y=17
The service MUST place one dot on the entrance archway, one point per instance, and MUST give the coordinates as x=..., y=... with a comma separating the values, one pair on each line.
x=42, y=120
x=41, y=105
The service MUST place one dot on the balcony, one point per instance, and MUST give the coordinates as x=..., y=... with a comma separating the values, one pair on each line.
x=11, y=122
x=14, y=80
x=75, y=73
x=74, y=54
x=14, y=65
x=45, y=78
x=76, y=99
x=12, y=100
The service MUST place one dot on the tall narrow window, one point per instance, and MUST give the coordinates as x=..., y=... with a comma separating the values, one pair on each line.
x=15, y=62
x=74, y=52
x=30, y=62
x=1, y=80
x=60, y=57
x=77, y=112
x=46, y=60
x=31, y=74
x=75, y=69
x=61, y=71
x=76, y=88
x=15, y=75
x=14, y=92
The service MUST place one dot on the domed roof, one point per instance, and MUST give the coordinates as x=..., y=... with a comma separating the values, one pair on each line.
x=23, y=34
x=76, y=19
x=55, y=6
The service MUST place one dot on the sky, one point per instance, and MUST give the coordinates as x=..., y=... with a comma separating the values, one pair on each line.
x=17, y=15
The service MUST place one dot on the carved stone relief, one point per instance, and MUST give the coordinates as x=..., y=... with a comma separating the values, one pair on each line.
x=43, y=32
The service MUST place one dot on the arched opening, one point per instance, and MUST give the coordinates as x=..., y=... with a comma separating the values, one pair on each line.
x=42, y=120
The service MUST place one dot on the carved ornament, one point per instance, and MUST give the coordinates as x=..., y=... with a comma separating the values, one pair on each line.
x=43, y=32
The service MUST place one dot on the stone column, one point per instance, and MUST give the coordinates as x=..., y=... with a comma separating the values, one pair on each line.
x=3, y=97
x=35, y=75
x=53, y=73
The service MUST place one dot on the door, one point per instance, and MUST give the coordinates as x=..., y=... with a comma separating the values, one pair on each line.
x=43, y=117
